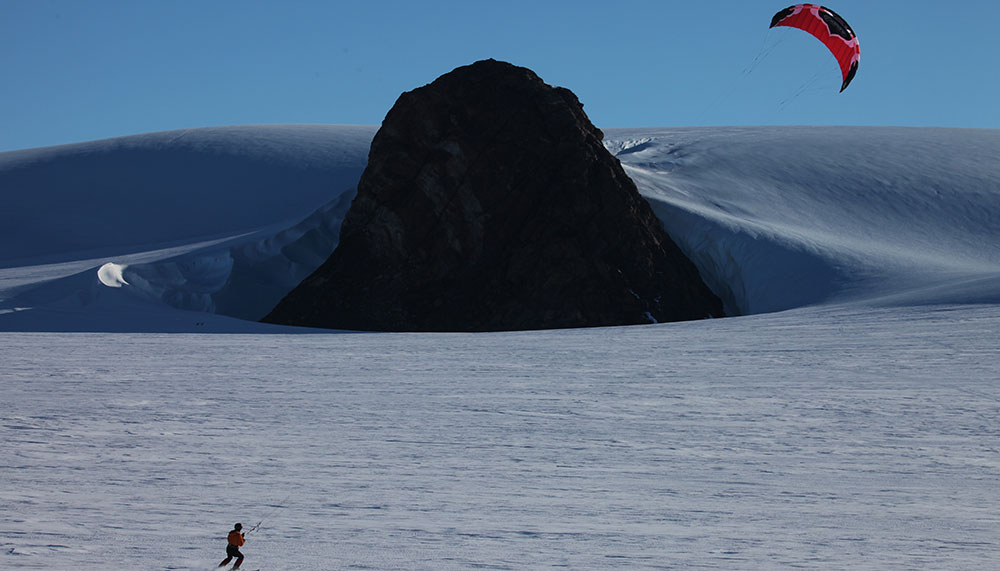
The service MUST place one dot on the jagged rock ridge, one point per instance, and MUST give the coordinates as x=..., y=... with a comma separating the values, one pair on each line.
x=490, y=203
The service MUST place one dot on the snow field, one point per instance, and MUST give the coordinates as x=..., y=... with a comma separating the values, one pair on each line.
x=829, y=439
x=847, y=421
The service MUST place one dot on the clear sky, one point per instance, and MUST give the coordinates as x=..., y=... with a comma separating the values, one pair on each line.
x=73, y=70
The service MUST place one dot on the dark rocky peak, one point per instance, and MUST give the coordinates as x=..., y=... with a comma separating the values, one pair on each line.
x=490, y=203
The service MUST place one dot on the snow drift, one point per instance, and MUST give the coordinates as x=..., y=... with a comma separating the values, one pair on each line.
x=781, y=217
x=224, y=221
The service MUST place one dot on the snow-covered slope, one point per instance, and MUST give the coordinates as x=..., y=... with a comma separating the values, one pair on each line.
x=224, y=221
x=141, y=192
x=779, y=218
x=217, y=220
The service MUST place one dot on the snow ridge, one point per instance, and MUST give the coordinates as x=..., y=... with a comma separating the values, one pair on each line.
x=778, y=218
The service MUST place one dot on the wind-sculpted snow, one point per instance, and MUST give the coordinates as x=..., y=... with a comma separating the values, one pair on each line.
x=778, y=218
x=242, y=277
x=217, y=220
x=876, y=210
x=143, y=192
x=246, y=277
x=225, y=221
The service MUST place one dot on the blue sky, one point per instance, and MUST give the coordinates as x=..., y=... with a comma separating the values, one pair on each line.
x=74, y=71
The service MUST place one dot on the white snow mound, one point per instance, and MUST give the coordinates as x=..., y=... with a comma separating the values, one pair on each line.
x=110, y=274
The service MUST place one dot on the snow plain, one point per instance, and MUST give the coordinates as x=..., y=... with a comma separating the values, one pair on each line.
x=849, y=418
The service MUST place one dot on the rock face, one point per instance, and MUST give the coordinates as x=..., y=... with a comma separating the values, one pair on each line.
x=489, y=203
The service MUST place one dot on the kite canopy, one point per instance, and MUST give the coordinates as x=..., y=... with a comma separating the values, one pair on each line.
x=829, y=28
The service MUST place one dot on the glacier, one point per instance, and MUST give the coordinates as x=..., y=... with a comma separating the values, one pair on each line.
x=226, y=221
x=845, y=417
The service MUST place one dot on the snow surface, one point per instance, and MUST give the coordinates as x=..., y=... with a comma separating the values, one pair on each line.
x=847, y=420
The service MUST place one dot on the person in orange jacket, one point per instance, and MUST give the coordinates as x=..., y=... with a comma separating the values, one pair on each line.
x=233, y=548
